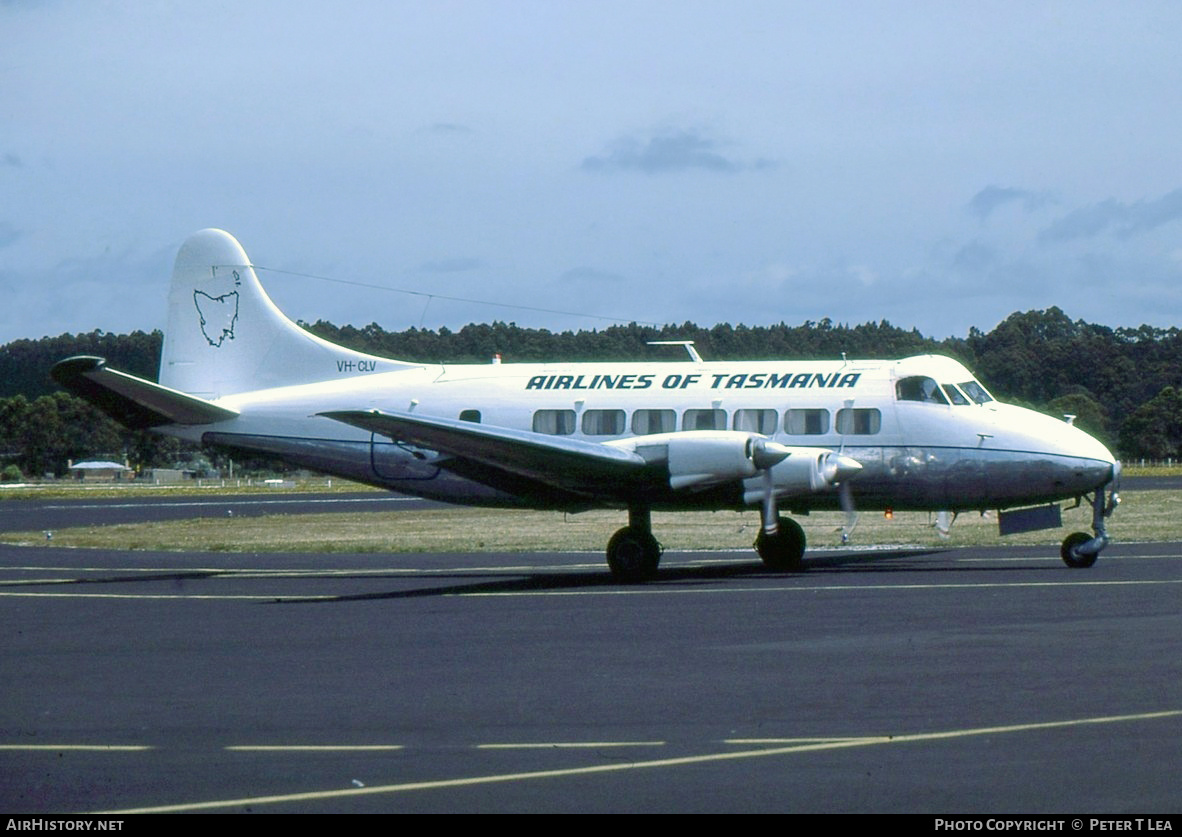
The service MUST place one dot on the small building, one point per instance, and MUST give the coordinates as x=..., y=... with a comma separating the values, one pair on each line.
x=168, y=476
x=101, y=471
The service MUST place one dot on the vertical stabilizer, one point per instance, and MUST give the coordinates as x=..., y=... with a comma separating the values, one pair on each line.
x=225, y=335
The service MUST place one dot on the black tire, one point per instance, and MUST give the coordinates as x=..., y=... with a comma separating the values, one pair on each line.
x=783, y=551
x=1067, y=551
x=633, y=556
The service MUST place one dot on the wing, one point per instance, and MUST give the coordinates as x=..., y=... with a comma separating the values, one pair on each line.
x=525, y=462
x=132, y=401
x=705, y=468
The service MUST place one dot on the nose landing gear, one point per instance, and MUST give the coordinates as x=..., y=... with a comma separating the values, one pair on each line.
x=1079, y=549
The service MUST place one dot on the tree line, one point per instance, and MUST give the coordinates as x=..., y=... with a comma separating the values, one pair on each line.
x=1125, y=385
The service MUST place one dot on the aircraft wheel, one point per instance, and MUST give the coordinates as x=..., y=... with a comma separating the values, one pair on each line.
x=633, y=555
x=1067, y=551
x=783, y=551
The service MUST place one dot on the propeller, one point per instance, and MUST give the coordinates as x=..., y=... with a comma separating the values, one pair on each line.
x=764, y=455
x=844, y=493
x=839, y=470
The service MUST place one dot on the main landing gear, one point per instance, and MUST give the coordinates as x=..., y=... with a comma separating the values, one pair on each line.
x=780, y=542
x=782, y=550
x=633, y=553
x=1080, y=550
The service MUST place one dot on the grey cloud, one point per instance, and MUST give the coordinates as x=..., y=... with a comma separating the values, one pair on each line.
x=1085, y=223
x=669, y=151
x=975, y=257
x=114, y=291
x=1148, y=215
x=11, y=159
x=1123, y=219
x=451, y=265
x=990, y=198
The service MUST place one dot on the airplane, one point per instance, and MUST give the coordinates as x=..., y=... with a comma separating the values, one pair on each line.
x=918, y=433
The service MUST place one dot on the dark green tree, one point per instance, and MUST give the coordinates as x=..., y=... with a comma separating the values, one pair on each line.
x=1154, y=430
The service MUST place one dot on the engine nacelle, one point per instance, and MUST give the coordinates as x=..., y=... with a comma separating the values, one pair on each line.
x=806, y=470
x=700, y=458
x=705, y=460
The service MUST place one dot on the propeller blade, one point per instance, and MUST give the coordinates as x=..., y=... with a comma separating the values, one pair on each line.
x=771, y=515
x=846, y=495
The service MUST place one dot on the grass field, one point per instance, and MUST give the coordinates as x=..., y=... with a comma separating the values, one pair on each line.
x=71, y=490
x=1143, y=516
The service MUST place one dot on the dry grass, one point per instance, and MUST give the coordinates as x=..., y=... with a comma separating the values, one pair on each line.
x=74, y=490
x=1144, y=516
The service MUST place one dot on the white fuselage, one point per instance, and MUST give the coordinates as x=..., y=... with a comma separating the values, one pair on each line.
x=960, y=449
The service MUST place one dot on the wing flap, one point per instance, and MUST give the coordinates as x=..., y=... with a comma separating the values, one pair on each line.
x=131, y=401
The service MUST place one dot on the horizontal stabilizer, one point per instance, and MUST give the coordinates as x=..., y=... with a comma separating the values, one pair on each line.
x=132, y=401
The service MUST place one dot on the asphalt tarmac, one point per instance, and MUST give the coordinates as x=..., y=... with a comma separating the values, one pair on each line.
x=987, y=680
x=141, y=506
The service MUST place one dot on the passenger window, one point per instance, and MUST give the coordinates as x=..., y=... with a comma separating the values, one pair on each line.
x=703, y=420
x=554, y=422
x=756, y=421
x=470, y=415
x=859, y=421
x=807, y=422
x=919, y=388
x=647, y=422
x=603, y=422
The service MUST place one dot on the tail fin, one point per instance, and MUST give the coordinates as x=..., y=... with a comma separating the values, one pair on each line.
x=225, y=335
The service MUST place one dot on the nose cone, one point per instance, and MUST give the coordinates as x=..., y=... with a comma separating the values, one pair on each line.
x=1091, y=462
x=1086, y=446
x=1098, y=463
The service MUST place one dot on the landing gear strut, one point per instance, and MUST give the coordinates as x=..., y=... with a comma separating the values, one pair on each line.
x=1080, y=550
x=633, y=553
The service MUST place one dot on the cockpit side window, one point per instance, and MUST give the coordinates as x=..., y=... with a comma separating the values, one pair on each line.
x=976, y=392
x=919, y=388
x=955, y=395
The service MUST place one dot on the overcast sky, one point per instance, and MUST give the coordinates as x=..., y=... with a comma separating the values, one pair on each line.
x=938, y=165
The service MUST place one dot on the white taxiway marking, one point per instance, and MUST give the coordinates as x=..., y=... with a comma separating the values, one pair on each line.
x=760, y=752
x=313, y=748
x=569, y=745
x=102, y=748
